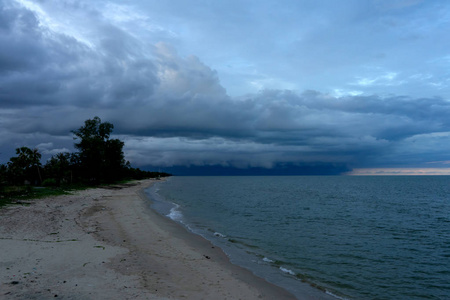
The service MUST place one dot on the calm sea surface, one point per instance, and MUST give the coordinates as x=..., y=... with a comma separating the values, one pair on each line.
x=355, y=237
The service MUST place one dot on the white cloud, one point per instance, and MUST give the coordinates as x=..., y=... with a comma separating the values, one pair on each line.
x=388, y=78
x=338, y=93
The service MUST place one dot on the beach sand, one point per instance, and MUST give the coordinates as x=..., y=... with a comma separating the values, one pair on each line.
x=105, y=243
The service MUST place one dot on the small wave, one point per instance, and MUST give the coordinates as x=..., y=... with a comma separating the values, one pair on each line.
x=218, y=234
x=175, y=214
x=268, y=260
x=290, y=272
x=335, y=296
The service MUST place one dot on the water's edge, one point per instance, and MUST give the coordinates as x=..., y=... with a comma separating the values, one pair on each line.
x=271, y=270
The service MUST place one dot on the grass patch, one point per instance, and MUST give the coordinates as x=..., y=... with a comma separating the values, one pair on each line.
x=15, y=194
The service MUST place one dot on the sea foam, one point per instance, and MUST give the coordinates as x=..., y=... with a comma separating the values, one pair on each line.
x=290, y=272
x=218, y=234
x=175, y=214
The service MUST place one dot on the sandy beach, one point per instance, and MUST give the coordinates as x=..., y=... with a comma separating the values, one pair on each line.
x=105, y=243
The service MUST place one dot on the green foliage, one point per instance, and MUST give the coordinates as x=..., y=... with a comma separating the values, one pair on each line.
x=25, y=166
x=3, y=176
x=60, y=167
x=101, y=158
x=49, y=182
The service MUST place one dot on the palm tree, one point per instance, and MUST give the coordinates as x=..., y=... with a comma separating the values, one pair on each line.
x=22, y=165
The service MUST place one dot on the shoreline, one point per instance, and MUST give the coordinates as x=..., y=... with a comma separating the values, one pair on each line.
x=106, y=243
x=299, y=289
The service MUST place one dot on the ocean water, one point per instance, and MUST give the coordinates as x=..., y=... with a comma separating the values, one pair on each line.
x=353, y=237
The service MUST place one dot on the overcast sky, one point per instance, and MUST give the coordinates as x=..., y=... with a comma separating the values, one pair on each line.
x=240, y=83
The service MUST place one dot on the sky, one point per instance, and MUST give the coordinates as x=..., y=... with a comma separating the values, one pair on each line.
x=359, y=86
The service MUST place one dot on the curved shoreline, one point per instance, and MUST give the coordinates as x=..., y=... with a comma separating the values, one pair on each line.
x=298, y=289
x=106, y=243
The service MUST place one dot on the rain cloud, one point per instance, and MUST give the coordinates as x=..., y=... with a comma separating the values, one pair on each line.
x=172, y=110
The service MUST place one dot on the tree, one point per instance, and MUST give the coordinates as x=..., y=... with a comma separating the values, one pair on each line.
x=3, y=175
x=114, y=160
x=101, y=158
x=25, y=166
x=59, y=168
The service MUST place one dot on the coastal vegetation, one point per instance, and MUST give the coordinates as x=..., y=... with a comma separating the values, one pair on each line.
x=99, y=159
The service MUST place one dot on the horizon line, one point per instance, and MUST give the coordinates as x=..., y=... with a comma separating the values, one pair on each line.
x=398, y=172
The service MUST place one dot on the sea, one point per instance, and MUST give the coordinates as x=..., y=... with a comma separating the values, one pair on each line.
x=350, y=237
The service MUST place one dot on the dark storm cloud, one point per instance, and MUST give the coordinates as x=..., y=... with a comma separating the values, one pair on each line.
x=17, y=53
x=43, y=67
x=172, y=110
x=280, y=126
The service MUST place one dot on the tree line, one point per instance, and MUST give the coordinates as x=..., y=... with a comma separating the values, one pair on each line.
x=98, y=159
